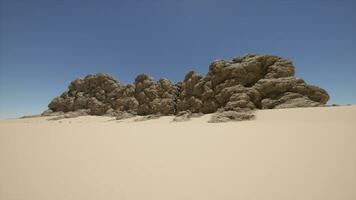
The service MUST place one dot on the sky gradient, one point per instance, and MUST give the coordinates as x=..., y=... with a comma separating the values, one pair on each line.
x=45, y=44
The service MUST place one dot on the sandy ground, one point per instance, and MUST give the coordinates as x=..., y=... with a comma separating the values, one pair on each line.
x=288, y=154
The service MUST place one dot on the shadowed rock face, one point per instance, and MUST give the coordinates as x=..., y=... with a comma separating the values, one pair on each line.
x=244, y=83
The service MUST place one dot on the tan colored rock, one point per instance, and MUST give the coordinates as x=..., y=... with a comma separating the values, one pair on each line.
x=226, y=116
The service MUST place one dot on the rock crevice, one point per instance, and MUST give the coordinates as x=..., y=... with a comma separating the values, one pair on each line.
x=242, y=84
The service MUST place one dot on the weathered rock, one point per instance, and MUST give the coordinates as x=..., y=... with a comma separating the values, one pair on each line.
x=70, y=114
x=64, y=103
x=124, y=99
x=278, y=91
x=77, y=113
x=50, y=112
x=124, y=115
x=97, y=107
x=154, y=97
x=182, y=116
x=239, y=85
x=90, y=92
x=226, y=116
x=147, y=117
x=196, y=94
x=185, y=116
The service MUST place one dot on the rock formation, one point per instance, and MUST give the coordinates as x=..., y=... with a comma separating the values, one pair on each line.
x=242, y=84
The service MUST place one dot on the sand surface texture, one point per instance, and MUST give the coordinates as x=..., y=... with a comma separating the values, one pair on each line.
x=287, y=154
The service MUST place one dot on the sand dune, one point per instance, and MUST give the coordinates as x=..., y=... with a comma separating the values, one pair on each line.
x=302, y=153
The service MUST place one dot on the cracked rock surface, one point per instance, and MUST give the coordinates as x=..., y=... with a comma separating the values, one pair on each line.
x=242, y=84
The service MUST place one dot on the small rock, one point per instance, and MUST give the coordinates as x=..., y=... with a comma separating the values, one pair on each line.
x=226, y=116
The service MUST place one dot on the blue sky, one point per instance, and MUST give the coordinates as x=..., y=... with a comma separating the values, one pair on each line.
x=45, y=44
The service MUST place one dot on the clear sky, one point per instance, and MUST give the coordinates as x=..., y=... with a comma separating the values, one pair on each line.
x=45, y=44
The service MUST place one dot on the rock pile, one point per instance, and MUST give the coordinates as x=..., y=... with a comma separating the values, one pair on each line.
x=239, y=85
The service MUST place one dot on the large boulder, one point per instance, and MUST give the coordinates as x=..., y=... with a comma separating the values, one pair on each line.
x=92, y=92
x=282, y=90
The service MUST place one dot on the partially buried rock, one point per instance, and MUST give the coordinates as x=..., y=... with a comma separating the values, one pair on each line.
x=71, y=114
x=226, y=116
x=231, y=88
x=50, y=112
x=124, y=115
x=185, y=116
x=147, y=117
x=182, y=116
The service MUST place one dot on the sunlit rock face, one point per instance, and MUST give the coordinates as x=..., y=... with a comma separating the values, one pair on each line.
x=242, y=84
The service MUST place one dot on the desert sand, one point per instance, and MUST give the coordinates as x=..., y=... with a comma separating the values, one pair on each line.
x=289, y=154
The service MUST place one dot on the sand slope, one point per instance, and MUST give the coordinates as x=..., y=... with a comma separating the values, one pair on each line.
x=305, y=153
